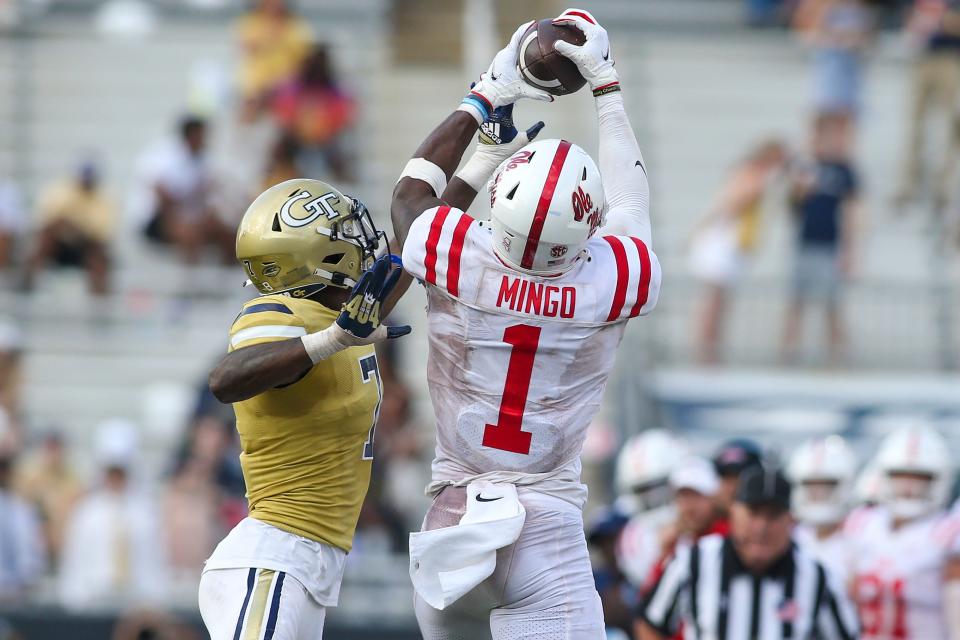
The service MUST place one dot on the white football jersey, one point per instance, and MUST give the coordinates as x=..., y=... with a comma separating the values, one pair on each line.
x=899, y=573
x=835, y=552
x=639, y=549
x=518, y=363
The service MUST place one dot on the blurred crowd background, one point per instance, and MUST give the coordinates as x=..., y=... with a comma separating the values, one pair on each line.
x=806, y=211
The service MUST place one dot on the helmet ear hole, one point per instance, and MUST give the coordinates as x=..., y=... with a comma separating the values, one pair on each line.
x=276, y=222
x=333, y=258
x=513, y=191
x=584, y=174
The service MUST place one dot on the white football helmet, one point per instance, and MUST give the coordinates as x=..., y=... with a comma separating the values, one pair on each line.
x=643, y=474
x=546, y=201
x=915, y=449
x=822, y=472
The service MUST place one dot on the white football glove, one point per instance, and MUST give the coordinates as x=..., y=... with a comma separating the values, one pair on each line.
x=502, y=83
x=593, y=57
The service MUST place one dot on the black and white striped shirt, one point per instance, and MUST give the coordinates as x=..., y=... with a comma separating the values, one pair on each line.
x=707, y=588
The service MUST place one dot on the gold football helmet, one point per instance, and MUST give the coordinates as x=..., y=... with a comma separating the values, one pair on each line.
x=305, y=232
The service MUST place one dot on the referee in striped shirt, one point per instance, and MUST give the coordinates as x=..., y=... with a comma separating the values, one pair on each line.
x=754, y=585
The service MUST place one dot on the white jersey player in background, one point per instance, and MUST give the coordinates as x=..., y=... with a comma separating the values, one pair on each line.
x=822, y=472
x=525, y=314
x=644, y=494
x=907, y=572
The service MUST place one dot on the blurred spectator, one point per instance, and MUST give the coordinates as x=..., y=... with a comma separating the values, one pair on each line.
x=282, y=164
x=316, y=112
x=191, y=501
x=273, y=41
x=229, y=475
x=763, y=13
x=13, y=221
x=7, y=632
x=824, y=195
x=395, y=503
x=617, y=595
x=76, y=224
x=730, y=461
x=114, y=552
x=695, y=484
x=22, y=560
x=839, y=32
x=935, y=26
x=11, y=373
x=182, y=188
x=152, y=625
x=726, y=237
x=47, y=480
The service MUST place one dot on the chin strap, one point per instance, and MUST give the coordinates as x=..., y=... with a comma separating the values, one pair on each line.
x=336, y=278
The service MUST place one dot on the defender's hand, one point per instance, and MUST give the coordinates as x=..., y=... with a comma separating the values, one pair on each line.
x=500, y=131
x=360, y=317
x=593, y=57
x=502, y=83
x=498, y=140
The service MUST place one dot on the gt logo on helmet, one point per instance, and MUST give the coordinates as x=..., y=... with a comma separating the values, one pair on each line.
x=317, y=207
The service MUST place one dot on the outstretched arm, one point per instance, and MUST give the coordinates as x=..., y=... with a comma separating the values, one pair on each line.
x=425, y=177
x=250, y=370
x=421, y=185
x=622, y=167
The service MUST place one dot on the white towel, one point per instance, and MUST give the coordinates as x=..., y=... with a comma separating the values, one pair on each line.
x=447, y=563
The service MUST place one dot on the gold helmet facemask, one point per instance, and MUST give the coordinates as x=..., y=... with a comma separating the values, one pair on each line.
x=303, y=235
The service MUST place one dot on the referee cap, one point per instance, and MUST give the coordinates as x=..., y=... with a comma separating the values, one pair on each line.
x=764, y=486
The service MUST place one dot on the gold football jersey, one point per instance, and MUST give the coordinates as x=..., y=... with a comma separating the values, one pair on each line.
x=307, y=447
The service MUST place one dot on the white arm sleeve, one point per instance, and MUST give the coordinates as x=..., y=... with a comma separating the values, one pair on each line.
x=623, y=172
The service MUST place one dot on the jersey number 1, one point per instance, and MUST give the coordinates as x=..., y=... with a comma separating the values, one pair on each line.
x=507, y=434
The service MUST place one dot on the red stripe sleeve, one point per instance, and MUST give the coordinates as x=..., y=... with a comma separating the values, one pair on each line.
x=433, y=240
x=623, y=275
x=456, y=248
x=643, y=290
x=546, y=196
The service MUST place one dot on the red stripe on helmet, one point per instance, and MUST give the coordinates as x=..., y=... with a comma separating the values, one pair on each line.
x=456, y=248
x=623, y=275
x=433, y=240
x=546, y=196
x=643, y=289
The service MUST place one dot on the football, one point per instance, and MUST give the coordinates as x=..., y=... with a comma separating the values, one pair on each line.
x=542, y=66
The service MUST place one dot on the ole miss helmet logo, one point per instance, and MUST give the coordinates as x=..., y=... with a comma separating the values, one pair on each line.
x=582, y=203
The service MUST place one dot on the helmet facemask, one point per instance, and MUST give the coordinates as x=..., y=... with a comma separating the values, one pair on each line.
x=359, y=229
x=910, y=495
x=820, y=501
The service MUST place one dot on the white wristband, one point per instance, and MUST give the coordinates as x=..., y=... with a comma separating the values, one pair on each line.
x=473, y=110
x=478, y=169
x=423, y=169
x=323, y=344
